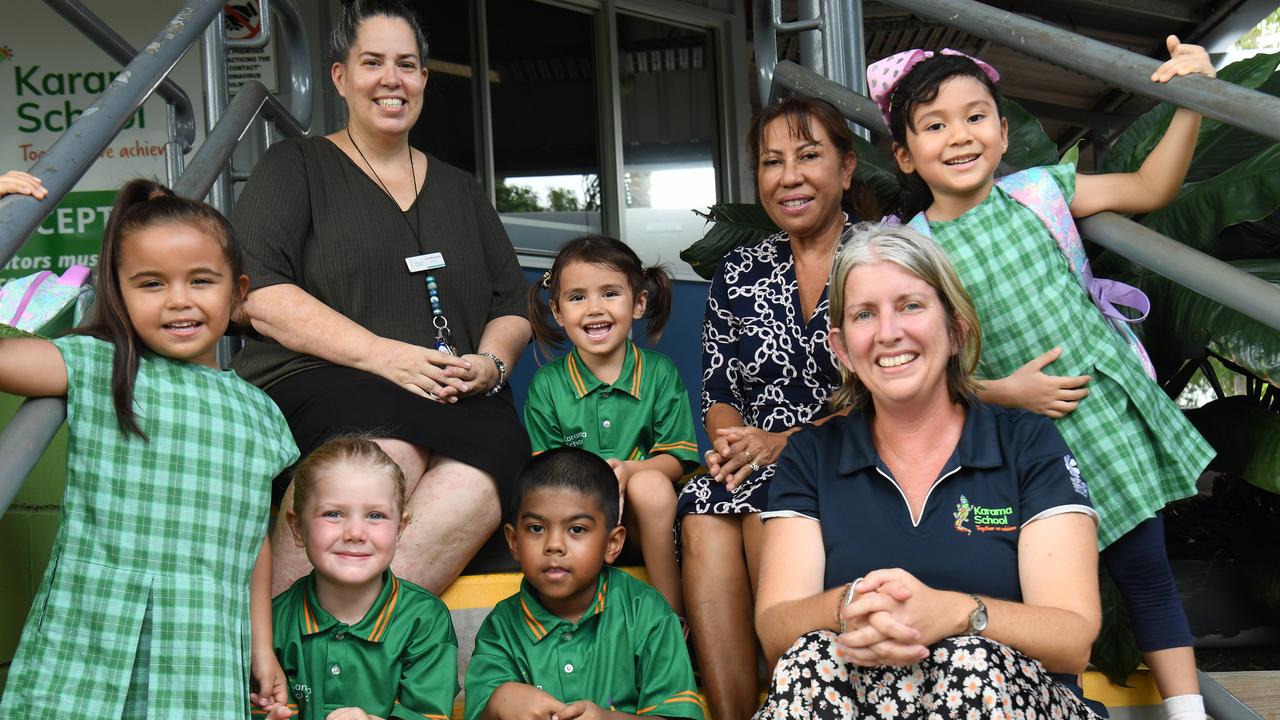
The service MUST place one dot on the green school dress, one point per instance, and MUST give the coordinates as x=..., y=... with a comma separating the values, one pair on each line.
x=144, y=608
x=1135, y=449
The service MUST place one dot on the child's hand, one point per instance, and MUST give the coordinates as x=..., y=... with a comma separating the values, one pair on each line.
x=16, y=181
x=350, y=713
x=517, y=701
x=271, y=684
x=1030, y=388
x=621, y=470
x=1184, y=59
x=581, y=710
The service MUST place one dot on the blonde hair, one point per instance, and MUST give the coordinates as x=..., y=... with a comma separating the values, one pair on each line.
x=874, y=242
x=358, y=450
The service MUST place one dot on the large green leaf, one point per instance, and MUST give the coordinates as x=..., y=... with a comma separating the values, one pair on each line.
x=1247, y=192
x=1220, y=146
x=1246, y=436
x=735, y=224
x=1182, y=321
x=1029, y=146
x=1251, y=240
x=1115, y=651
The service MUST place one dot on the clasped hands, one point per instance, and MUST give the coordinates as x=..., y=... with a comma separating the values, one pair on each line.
x=433, y=374
x=739, y=451
x=894, y=618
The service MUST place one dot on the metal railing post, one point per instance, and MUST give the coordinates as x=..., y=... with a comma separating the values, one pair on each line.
x=213, y=65
x=78, y=148
x=117, y=48
x=1234, y=105
x=294, y=60
x=1222, y=705
x=1206, y=275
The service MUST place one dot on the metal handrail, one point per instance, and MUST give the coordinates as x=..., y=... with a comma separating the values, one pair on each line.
x=840, y=55
x=119, y=49
x=1231, y=104
x=36, y=422
x=1207, y=275
x=70, y=157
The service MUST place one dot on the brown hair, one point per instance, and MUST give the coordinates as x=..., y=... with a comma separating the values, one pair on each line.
x=800, y=113
x=917, y=254
x=358, y=450
x=610, y=253
x=141, y=204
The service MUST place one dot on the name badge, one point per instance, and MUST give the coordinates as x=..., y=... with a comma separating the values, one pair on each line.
x=430, y=261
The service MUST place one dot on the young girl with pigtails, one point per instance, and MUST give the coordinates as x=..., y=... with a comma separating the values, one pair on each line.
x=610, y=397
x=144, y=610
x=1046, y=346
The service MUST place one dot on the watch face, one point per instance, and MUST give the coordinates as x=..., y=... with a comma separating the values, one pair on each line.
x=979, y=620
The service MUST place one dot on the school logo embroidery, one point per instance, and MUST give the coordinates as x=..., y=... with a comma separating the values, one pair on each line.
x=301, y=694
x=984, y=519
x=6, y=53
x=1073, y=470
x=574, y=440
x=962, y=514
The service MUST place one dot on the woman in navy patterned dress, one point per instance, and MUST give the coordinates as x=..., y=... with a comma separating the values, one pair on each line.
x=767, y=372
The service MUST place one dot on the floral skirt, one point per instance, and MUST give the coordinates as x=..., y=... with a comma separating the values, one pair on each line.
x=966, y=678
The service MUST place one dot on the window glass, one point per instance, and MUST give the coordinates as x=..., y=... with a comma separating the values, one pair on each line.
x=669, y=121
x=447, y=128
x=545, y=124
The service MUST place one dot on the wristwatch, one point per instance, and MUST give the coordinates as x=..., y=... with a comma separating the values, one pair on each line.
x=978, y=617
x=502, y=374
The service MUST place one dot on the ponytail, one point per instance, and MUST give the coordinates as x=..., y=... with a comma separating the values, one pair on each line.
x=544, y=331
x=657, y=310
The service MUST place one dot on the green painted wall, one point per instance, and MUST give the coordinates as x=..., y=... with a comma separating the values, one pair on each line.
x=26, y=537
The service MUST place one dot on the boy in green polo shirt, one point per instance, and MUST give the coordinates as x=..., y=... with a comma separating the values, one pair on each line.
x=355, y=641
x=580, y=639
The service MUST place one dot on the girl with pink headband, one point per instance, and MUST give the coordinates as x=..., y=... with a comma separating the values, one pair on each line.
x=1046, y=346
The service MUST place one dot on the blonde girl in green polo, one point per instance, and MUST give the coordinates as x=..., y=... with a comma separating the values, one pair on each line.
x=355, y=641
x=608, y=396
x=144, y=610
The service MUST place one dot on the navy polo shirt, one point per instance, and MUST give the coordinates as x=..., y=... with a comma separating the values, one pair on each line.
x=1010, y=468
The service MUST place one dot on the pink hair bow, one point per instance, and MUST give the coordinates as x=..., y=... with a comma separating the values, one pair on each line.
x=884, y=75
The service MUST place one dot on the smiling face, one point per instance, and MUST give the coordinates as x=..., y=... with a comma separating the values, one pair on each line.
x=382, y=79
x=561, y=542
x=894, y=336
x=596, y=306
x=955, y=143
x=349, y=525
x=178, y=289
x=802, y=181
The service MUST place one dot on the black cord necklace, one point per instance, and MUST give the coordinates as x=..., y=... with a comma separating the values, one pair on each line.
x=413, y=175
x=438, y=319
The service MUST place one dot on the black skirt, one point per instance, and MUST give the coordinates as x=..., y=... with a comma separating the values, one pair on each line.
x=323, y=402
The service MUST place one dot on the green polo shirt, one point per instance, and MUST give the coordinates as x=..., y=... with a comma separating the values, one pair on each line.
x=645, y=412
x=400, y=661
x=626, y=654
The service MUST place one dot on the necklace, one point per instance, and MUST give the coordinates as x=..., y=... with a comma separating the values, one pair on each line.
x=438, y=319
x=412, y=174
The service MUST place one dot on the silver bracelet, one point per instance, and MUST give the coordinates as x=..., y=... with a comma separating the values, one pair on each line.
x=502, y=374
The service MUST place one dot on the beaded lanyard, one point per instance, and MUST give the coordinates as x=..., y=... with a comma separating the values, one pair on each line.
x=438, y=320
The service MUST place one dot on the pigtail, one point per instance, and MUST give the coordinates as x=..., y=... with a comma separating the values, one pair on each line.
x=110, y=316
x=658, y=308
x=914, y=196
x=544, y=330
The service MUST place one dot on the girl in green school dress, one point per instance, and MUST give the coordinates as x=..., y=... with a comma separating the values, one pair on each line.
x=144, y=610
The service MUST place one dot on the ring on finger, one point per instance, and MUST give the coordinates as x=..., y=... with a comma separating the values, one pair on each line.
x=754, y=466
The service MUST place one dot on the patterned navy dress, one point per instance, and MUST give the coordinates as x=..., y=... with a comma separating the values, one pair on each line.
x=763, y=359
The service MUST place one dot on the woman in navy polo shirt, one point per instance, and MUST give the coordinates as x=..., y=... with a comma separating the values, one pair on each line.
x=967, y=527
